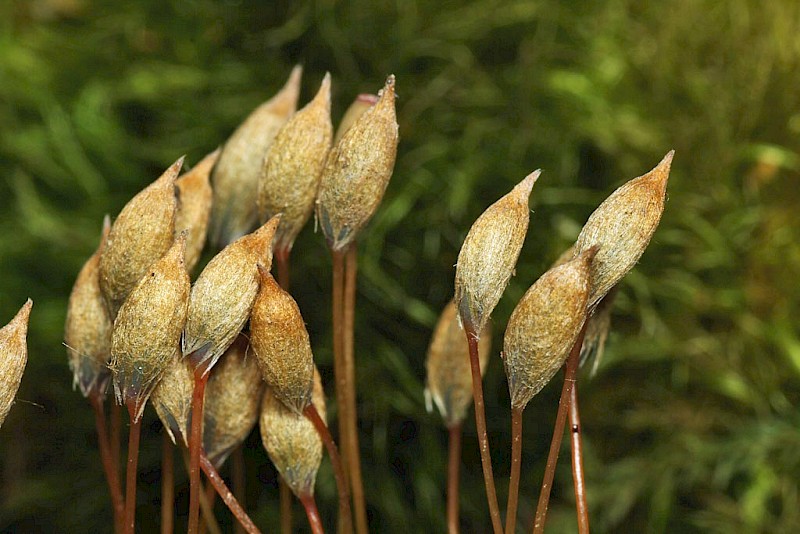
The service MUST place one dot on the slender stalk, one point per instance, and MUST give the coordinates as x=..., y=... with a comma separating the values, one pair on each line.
x=286, y=506
x=348, y=343
x=167, y=486
x=313, y=514
x=133, y=462
x=339, y=371
x=345, y=519
x=195, y=445
x=239, y=488
x=453, y=465
x=558, y=432
x=282, y=259
x=226, y=495
x=516, y=460
x=109, y=467
x=577, y=462
x=480, y=424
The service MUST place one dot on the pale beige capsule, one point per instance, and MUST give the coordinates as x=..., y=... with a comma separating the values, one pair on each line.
x=13, y=357
x=172, y=397
x=223, y=295
x=194, y=207
x=148, y=328
x=292, y=167
x=291, y=441
x=357, y=172
x=361, y=104
x=87, y=330
x=544, y=326
x=489, y=254
x=232, y=402
x=141, y=234
x=594, y=341
x=280, y=341
x=235, y=176
x=449, y=381
x=622, y=227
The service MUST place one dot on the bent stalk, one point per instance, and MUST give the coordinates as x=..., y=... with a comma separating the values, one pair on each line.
x=226, y=495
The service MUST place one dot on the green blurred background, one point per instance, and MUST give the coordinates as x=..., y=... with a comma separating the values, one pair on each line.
x=691, y=423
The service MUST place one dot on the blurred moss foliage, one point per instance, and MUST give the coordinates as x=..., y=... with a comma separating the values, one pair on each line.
x=691, y=423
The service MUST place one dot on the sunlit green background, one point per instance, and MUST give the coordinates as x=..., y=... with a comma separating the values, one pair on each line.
x=691, y=423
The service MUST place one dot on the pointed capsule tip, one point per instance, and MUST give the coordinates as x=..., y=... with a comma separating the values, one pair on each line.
x=24, y=312
x=526, y=185
x=324, y=92
x=293, y=82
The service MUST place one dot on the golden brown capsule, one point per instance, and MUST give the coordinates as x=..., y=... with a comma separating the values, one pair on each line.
x=544, y=326
x=598, y=325
x=292, y=167
x=361, y=104
x=223, y=295
x=13, y=357
x=194, y=207
x=236, y=174
x=489, y=254
x=148, y=328
x=232, y=401
x=449, y=382
x=87, y=331
x=280, y=341
x=622, y=227
x=172, y=397
x=357, y=172
x=142, y=233
x=291, y=440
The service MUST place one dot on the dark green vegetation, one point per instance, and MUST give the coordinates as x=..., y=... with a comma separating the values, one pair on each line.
x=691, y=423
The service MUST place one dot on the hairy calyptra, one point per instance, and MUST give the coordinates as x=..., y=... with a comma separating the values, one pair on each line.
x=449, y=378
x=87, y=330
x=291, y=440
x=141, y=234
x=194, y=207
x=148, y=327
x=236, y=174
x=13, y=357
x=291, y=173
x=232, y=402
x=544, y=326
x=172, y=398
x=489, y=254
x=223, y=295
x=357, y=171
x=622, y=227
x=280, y=341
